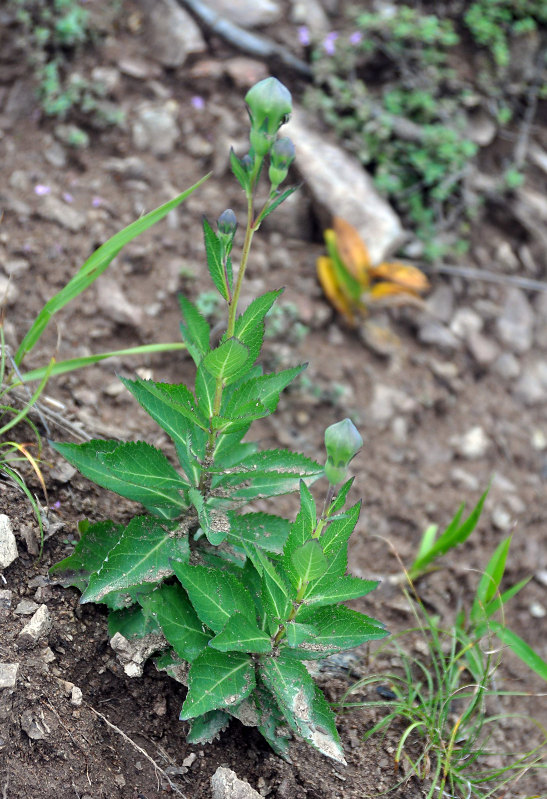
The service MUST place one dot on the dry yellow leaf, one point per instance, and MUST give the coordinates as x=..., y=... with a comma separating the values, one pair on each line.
x=327, y=278
x=352, y=250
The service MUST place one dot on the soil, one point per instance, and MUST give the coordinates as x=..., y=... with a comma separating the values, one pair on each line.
x=122, y=737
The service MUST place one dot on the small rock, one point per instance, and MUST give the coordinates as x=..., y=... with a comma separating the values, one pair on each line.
x=130, y=168
x=531, y=387
x=5, y=598
x=38, y=626
x=328, y=171
x=63, y=472
x=501, y=518
x=247, y=13
x=156, y=127
x=472, y=445
x=539, y=440
x=34, y=723
x=109, y=77
x=506, y=258
x=245, y=72
x=9, y=293
x=387, y=402
x=515, y=325
x=483, y=349
x=311, y=14
x=464, y=479
x=8, y=675
x=435, y=333
x=465, y=322
x=26, y=607
x=537, y=610
x=187, y=762
x=16, y=266
x=507, y=366
x=172, y=35
x=480, y=127
x=55, y=155
x=8, y=545
x=76, y=696
x=541, y=577
x=115, y=305
x=55, y=210
x=132, y=654
x=225, y=784
x=440, y=303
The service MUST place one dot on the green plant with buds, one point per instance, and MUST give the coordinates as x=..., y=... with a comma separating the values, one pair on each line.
x=232, y=600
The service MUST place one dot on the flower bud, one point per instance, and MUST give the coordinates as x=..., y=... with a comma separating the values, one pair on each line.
x=269, y=103
x=227, y=223
x=281, y=157
x=343, y=442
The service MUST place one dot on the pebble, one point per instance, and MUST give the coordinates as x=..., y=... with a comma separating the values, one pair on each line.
x=8, y=544
x=225, y=784
x=16, y=266
x=26, y=607
x=507, y=366
x=9, y=293
x=34, y=724
x=247, y=13
x=8, y=675
x=537, y=610
x=328, y=171
x=38, y=626
x=531, y=387
x=483, y=349
x=171, y=33
x=63, y=472
x=387, y=402
x=471, y=445
x=440, y=303
x=465, y=322
x=432, y=332
x=5, y=598
x=115, y=305
x=515, y=325
x=54, y=210
x=311, y=14
x=501, y=518
x=55, y=155
x=464, y=479
x=76, y=696
x=155, y=127
x=540, y=307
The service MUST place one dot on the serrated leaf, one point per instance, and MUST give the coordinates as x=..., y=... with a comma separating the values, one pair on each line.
x=205, y=391
x=300, y=531
x=88, y=556
x=264, y=390
x=340, y=499
x=241, y=635
x=215, y=595
x=178, y=620
x=264, y=530
x=277, y=202
x=172, y=665
x=164, y=409
x=217, y=680
x=197, y=332
x=308, y=561
x=339, y=628
x=272, y=724
x=330, y=589
x=214, y=521
x=302, y=703
x=143, y=554
x=249, y=327
x=205, y=728
x=335, y=538
x=131, y=623
x=275, y=598
x=239, y=171
x=229, y=450
x=226, y=360
x=298, y=633
x=213, y=251
x=269, y=473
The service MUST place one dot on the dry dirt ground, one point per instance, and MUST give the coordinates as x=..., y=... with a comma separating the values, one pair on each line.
x=415, y=409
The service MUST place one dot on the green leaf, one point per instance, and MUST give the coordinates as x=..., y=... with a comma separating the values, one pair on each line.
x=299, y=633
x=302, y=704
x=213, y=250
x=249, y=327
x=268, y=473
x=335, y=538
x=271, y=724
x=229, y=450
x=500, y=600
x=330, y=589
x=264, y=530
x=96, y=542
x=490, y=581
x=241, y=635
x=339, y=628
x=276, y=597
x=131, y=623
x=308, y=561
x=197, y=332
x=239, y=171
x=205, y=728
x=428, y=539
x=299, y=531
x=277, y=202
x=134, y=470
x=521, y=649
x=214, y=522
x=95, y=266
x=340, y=499
x=217, y=680
x=178, y=620
x=142, y=555
x=205, y=391
x=215, y=595
x=264, y=390
x=226, y=360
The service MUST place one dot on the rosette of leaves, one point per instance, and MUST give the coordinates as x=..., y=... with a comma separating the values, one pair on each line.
x=241, y=598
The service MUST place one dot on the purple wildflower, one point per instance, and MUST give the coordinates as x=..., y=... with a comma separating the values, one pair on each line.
x=68, y=198
x=198, y=102
x=304, y=36
x=40, y=189
x=329, y=43
x=96, y=202
x=356, y=37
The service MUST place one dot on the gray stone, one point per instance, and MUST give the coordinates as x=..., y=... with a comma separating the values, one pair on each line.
x=471, y=445
x=440, y=303
x=225, y=784
x=37, y=627
x=501, y=518
x=34, y=723
x=341, y=187
x=156, y=128
x=76, y=696
x=507, y=366
x=8, y=544
x=133, y=654
x=9, y=292
x=109, y=77
x=63, y=472
x=516, y=323
x=26, y=607
x=531, y=387
x=483, y=349
x=464, y=322
x=115, y=305
x=432, y=332
x=171, y=33
x=5, y=598
x=8, y=675
x=247, y=13
x=480, y=127
x=387, y=402
x=55, y=155
x=311, y=14
x=54, y=210
x=16, y=266
x=130, y=168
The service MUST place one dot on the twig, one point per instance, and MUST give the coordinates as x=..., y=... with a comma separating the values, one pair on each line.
x=250, y=43
x=55, y=418
x=141, y=751
x=483, y=274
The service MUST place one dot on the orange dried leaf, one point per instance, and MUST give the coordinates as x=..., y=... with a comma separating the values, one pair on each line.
x=410, y=277
x=389, y=295
x=327, y=278
x=352, y=250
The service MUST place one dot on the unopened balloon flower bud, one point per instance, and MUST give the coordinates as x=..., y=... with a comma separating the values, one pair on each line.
x=270, y=104
x=343, y=442
x=227, y=223
x=281, y=157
